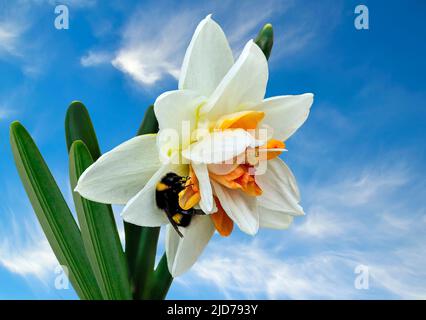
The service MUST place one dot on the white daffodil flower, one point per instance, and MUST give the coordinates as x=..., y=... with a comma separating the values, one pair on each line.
x=217, y=112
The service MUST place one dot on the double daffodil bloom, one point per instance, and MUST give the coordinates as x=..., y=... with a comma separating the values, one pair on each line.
x=217, y=112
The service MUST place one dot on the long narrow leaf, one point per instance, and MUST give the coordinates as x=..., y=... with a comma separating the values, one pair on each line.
x=53, y=213
x=78, y=126
x=99, y=232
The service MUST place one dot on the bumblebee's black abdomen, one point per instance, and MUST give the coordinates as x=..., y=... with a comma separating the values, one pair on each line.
x=185, y=220
x=182, y=220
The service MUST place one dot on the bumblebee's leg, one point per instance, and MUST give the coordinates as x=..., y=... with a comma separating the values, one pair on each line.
x=198, y=212
x=192, y=212
x=175, y=226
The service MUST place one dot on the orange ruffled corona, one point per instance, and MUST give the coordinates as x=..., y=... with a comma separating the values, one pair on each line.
x=222, y=222
x=241, y=177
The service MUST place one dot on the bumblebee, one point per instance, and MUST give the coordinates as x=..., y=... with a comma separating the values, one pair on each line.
x=167, y=199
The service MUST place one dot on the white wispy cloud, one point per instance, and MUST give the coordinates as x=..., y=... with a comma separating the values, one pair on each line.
x=7, y=39
x=92, y=59
x=321, y=223
x=10, y=32
x=363, y=185
x=25, y=251
x=154, y=40
x=253, y=271
x=307, y=28
x=148, y=52
x=16, y=46
x=402, y=273
x=34, y=259
x=151, y=51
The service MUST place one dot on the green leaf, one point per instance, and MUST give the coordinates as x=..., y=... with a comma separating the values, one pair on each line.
x=265, y=39
x=53, y=213
x=78, y=126
x=99, y=232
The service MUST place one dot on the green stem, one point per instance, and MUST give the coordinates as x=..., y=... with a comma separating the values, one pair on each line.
x=146, y=260
x=159, y=284
x=141, y=242
x=132, y=238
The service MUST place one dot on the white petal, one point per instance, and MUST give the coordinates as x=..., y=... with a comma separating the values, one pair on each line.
x=171, y=242
x=142, y=209
x=280, y=191
x=176, y=114
x=173, y=107
x=207, y=59
x=274, y=219
x=243, y=86
x=182, y=253
x=285, y=114
x=220, y=146
x=119, y=174
x=206, y=202
x=240, y=207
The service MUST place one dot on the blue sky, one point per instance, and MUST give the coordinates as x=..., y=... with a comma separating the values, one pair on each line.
x=359, y=159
